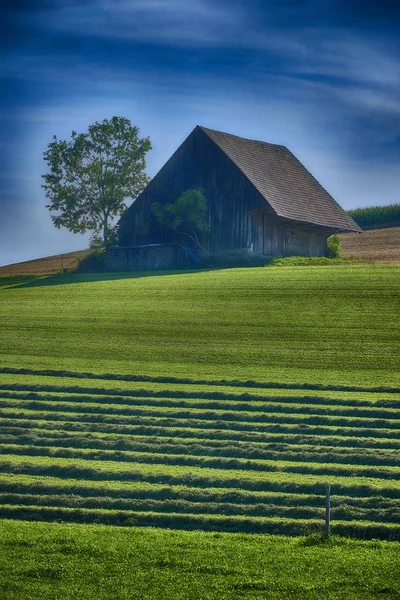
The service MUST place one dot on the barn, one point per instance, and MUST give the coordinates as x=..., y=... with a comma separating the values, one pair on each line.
x=261, y=199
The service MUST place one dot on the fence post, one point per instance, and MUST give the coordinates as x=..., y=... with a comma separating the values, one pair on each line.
x=328, y=511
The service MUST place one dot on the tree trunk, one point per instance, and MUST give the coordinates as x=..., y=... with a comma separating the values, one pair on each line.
x=105, y=233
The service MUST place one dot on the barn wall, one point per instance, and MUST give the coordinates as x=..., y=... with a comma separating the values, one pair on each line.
x=146, y=258
x=198, y=162
x=273, y=237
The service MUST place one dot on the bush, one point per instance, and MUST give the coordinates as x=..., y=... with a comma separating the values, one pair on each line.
x=375, y=216
x=334, y=247
x=93, y=262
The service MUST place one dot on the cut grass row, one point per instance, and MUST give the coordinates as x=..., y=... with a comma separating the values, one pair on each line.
x=131, y=423
x=48, y=486
x=31, y=380
x=265, y=466
x=291, y=416
x=339, y=513
x=196, y=476
x=198, y=447
x=205, y=522
x=279, y=434
x=322, y=406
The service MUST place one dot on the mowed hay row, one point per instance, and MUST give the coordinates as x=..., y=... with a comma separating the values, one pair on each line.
x=246, y=466
x=375, y=245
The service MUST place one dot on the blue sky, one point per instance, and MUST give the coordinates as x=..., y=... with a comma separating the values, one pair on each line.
x=319, y=76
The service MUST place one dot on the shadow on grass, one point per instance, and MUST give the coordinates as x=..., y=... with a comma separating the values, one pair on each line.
x=15, y=280
x=71, y=278
x=185, y=380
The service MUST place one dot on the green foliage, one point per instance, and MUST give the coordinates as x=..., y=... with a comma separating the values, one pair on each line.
x=334, y=247
x=96, y=241
x=187, y=216
x=93, y=262
x=371, y=216
x=103, y=562
x=92, y=175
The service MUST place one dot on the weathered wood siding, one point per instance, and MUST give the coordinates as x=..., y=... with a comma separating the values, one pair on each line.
x=146, y=258
x=274, y=237
x=198, y=162
x=239, y=216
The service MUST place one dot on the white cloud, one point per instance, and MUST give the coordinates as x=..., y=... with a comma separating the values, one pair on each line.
x=359, y=59
x=371, y=101
x=315, y=64
x=179, y=22
x=326, y=51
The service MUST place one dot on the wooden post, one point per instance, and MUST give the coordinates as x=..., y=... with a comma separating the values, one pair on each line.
x=328, y=511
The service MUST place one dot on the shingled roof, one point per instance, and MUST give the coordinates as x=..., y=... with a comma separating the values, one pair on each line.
x=289, y=189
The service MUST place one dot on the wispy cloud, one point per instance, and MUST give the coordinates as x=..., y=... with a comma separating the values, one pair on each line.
x=360, y=70
x=182, y=22
x=347, y=55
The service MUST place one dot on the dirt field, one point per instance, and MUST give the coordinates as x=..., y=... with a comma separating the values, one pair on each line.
x=375, y=245
x=44, y=266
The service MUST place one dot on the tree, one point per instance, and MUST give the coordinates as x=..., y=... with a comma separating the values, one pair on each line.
x=91, y=175
x=188, y=216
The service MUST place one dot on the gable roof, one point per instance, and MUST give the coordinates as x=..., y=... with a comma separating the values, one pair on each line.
x=286, y=185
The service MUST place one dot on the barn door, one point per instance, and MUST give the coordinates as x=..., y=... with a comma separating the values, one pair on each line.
x=296, y=242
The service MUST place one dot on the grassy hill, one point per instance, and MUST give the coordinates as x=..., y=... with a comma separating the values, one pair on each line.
x=48, y=265
x=220, y=400
x=380, y=245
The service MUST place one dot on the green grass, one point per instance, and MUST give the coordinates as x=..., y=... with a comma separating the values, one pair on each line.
x=218, y=401
x=311, y=261
x=335, y=326
x=43, y=562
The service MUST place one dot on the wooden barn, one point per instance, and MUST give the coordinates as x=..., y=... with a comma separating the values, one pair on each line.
x=261, y=199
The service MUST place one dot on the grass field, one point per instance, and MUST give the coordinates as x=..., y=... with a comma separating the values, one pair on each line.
x=44, y=562
x=220, y=400
x=328, y=326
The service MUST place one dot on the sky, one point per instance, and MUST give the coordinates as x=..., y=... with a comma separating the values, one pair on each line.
x=321, y=77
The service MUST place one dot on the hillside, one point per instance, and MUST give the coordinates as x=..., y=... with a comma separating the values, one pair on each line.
x=48, y=265
x=220, y=400
x=374, y=246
